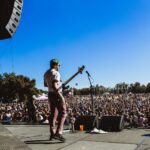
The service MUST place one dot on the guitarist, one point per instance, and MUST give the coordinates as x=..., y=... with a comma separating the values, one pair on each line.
x=57, y=103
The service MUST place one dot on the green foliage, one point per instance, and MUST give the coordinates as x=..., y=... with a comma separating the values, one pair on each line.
x=119, y=88
x=16, y=87
x=20, y=88
x=137, y=88
x=43, y=91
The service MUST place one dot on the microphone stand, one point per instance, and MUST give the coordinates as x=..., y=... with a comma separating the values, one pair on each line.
x=91, y=93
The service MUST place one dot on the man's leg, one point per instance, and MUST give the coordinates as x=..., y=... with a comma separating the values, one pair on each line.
x=53, y=115
x=61, y=119
x=53, y=118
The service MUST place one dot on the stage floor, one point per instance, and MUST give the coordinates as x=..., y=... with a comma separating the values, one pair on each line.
x=36, y=137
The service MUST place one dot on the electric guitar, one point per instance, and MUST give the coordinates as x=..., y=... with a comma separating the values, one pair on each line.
x=80, y=70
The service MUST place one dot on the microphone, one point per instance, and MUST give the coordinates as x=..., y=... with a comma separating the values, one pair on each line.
x=88, y=73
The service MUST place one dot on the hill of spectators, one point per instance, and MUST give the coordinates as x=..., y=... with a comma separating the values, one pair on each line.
x=134, y=107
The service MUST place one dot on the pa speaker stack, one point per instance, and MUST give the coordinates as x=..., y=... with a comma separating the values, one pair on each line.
x=112, y=123
x=10, y=14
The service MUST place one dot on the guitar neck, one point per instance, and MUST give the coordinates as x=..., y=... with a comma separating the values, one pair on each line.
x=67, y=81
x=80, y=70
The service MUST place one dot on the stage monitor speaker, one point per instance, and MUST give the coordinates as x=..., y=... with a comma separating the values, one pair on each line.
x=112, y=123
x=89, y=122
x=10, y=14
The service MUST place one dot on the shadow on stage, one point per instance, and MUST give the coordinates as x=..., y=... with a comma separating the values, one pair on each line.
x=146, y=135
x=42, y=142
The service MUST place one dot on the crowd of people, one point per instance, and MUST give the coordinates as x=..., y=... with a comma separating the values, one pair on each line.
x=19, y=112
x=134, y=107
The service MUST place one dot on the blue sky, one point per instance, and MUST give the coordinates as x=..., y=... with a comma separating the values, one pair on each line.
x=110, y=37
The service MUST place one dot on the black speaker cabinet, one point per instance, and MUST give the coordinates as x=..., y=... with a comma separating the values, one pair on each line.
x=89, y=122
x=112, y=123
x=10, y=14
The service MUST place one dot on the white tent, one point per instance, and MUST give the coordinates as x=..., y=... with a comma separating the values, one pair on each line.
x=41, y=97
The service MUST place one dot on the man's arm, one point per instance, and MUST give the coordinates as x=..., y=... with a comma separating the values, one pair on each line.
x=57, y=91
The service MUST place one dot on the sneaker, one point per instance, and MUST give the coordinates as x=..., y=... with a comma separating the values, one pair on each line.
x=51, y=137
x=59, y=137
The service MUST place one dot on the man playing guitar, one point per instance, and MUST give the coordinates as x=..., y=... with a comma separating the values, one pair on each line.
x=57, y=103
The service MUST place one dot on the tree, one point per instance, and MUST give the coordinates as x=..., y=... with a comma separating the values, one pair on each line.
x=18, y=87
x=137, y=88
x=121, y=88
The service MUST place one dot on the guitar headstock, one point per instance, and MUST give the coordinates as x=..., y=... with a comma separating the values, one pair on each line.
x=80, y=69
